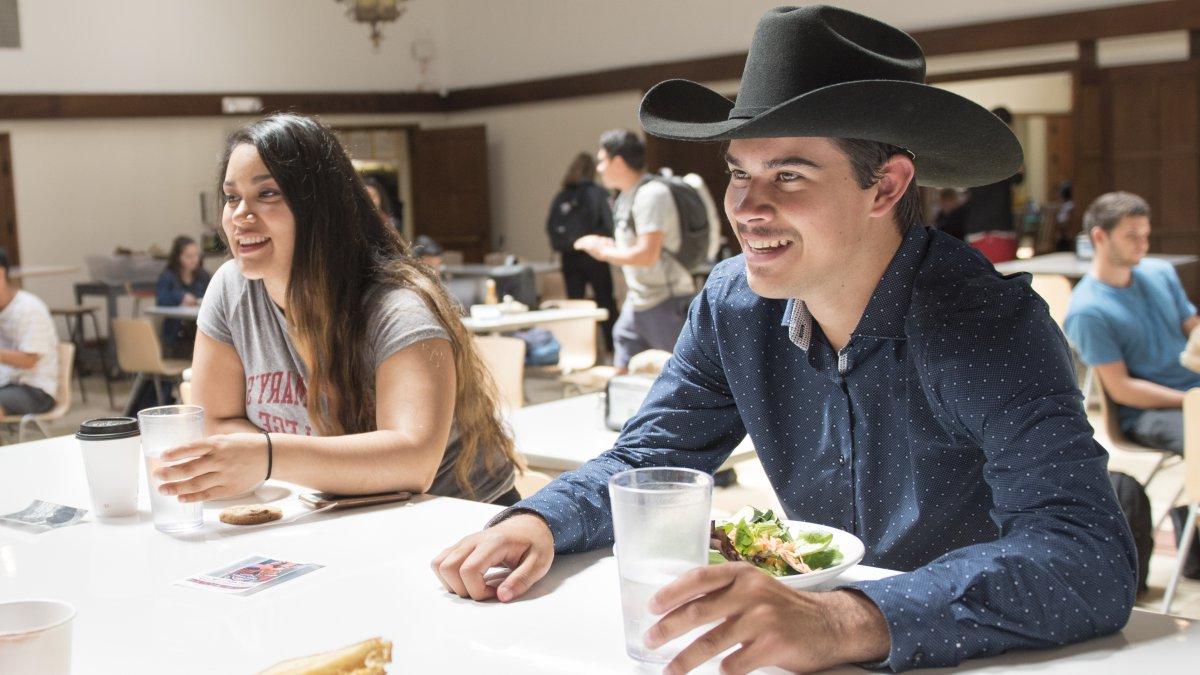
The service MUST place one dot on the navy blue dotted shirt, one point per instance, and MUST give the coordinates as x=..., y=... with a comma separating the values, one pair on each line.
x=948, y=434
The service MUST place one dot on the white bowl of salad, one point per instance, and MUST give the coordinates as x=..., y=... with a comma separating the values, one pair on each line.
x=796, y=553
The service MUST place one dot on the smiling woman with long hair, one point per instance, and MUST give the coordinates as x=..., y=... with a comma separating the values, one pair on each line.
x=326, y=357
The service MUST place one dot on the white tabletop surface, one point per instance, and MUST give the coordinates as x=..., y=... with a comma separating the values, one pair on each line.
x=133, y=619
x=175, y=312
x=537, y=317
x=26, y=271
x=561, y=435
x=1071, y=266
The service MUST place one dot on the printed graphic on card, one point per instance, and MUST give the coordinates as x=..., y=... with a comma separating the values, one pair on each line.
x=42, y=516
x=250, y=575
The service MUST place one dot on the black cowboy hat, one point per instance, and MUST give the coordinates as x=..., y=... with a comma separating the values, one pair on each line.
x=825, y=71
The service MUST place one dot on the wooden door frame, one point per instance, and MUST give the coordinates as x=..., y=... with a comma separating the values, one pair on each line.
x=8, y=220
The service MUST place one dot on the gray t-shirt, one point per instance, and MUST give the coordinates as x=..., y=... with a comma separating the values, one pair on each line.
x=238, y=312
x=651, y=208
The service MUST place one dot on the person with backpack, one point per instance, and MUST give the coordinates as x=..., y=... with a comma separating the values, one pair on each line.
x=649, y=245
x=579, y=209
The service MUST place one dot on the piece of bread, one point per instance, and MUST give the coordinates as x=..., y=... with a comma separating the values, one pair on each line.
x=250, y=514
x=365, y=658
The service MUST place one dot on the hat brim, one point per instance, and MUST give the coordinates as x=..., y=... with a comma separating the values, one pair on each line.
x=956, y=142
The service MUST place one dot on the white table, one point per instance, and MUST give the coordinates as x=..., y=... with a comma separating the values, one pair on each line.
x=561, y=435
x=181, y=312
x=132, y=619
x=1072, y=267
x=27, y=271
x=537, y=317
x=482, y=270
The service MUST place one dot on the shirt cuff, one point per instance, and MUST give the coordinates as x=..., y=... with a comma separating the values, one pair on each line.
x=909, y=624
x=561, y=517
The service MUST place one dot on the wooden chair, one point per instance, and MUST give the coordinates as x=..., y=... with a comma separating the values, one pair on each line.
x=62, y=398
x=505, y=360
x=579, y=349
x=1112, y=427
x=1191, y=487
x=531, y=481
x=649, y=362
x=452, y=257
x=1055, y=289
x=73, y=317
x=139, y=352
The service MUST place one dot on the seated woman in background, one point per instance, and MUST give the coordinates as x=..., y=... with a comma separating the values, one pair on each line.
x=326, y=356
x=182, y=283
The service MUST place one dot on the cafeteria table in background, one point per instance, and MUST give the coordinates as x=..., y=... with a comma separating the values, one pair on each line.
x=561, y=435
x=537, y=317
x=132, y=618
x=1073, y=267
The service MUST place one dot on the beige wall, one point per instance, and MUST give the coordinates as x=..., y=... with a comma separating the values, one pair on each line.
x=85, y=187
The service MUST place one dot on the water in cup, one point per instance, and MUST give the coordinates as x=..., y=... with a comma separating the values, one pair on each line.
x=163, y=428
x=661, y=525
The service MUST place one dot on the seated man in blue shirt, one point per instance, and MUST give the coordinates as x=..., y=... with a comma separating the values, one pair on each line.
x=892, y=382
x=1130, y=320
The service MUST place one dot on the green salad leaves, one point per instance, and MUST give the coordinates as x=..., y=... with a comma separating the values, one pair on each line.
x=763, y=540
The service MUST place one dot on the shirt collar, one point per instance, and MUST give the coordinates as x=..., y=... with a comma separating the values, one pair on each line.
x=886, y=310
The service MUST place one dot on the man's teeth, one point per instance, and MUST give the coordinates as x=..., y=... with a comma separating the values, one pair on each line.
x=250, y=241
x=768, y=244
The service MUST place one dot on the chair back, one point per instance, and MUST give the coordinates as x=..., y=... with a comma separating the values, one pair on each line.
x=138, y=349
x=1110, y=414
x=1055, y=289
x=578, y=346
x=649, y=362
x=1191, y=445
x=452, y=257
x=66, y=370
x=505, y=360
x=530, y=481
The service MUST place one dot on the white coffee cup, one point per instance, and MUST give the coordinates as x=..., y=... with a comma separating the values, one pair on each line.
x=35, y=637
x=111, y=448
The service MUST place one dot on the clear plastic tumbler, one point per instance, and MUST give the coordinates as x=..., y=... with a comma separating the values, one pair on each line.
x=163, y=428
x=661, y=525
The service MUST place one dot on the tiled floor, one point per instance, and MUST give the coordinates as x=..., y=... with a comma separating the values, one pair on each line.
x=754, y=489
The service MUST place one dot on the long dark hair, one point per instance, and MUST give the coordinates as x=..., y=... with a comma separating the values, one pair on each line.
x=582, y=168
x=174, y=262
x=343, y=247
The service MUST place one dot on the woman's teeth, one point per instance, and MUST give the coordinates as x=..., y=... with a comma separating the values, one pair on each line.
x=250, y=241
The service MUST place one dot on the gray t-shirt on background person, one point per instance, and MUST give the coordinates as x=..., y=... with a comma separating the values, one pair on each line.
x=238, y=312
x=653, y=210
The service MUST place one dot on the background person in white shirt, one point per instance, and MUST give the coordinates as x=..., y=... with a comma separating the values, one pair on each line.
x=28, y=350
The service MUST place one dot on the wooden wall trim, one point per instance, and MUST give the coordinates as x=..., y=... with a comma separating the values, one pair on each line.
x=1153, y=17
x=1008, y=71
x=85, y=106
x=1085, y=27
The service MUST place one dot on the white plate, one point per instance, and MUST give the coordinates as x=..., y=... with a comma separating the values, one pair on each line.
x=852, y=552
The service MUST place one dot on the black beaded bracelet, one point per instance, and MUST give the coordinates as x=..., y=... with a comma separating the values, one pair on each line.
x=270, y=455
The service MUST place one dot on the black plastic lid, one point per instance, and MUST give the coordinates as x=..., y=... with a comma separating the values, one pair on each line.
x=107, y=429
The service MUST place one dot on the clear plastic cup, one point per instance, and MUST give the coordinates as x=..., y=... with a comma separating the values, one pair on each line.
x=35, y=637
x=163, y=428
x=661, y=525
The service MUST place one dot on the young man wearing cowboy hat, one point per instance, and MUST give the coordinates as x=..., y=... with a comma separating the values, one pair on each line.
x=892, y=382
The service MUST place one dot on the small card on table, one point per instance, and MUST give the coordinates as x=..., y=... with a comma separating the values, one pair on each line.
x=250, y=575
x=42, y=516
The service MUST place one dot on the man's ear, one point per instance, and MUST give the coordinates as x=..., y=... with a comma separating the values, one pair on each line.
x=894, y=178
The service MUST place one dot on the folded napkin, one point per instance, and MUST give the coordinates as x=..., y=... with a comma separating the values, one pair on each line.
x=1190, y=358
x=365, y=658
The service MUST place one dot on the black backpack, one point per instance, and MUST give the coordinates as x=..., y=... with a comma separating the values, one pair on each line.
x=693, y=220
x=1136, y=507
x=572, y=215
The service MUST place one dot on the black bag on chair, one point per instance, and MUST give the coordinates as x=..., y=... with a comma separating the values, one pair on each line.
x=1136, y=507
